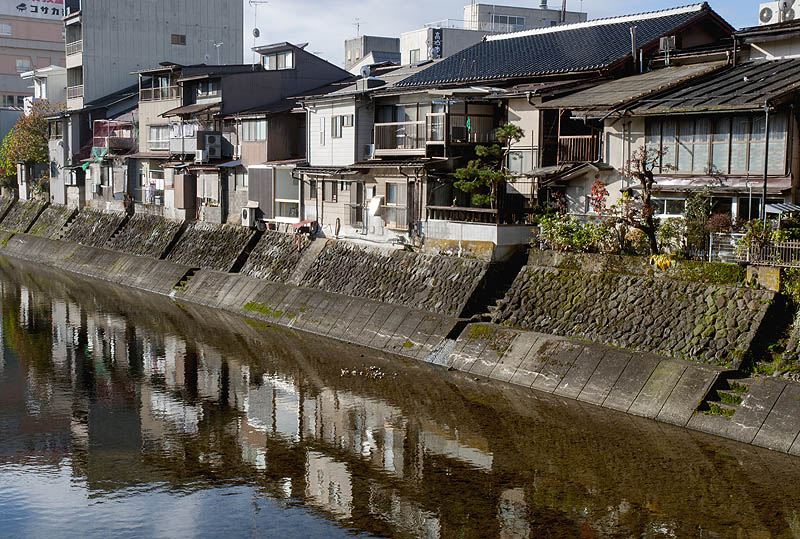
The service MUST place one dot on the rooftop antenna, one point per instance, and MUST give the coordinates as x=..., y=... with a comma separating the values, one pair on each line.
x=256, y=32
x=358, y=24
x=217, y=45
x=563, y=11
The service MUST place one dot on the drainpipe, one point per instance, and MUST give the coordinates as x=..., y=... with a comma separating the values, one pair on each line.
x=634, y=48
x=766, y=162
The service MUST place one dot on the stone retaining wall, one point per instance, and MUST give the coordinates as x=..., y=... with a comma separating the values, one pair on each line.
x=51, y=221
x=695, y=321
x=146, y=235
x=22, y=215
x=93, y=227
x=275, y=257
x=433, y=283
x=206, y=245
x=5, y=205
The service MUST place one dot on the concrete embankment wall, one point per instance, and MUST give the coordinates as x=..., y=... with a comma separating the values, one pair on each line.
x=602, y=330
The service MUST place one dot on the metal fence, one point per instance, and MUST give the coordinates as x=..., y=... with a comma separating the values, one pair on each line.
x=783, y=254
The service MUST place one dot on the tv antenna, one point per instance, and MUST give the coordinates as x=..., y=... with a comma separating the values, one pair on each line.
x=358, y=24
x=256, y=32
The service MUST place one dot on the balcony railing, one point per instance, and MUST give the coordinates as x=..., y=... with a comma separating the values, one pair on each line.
x=411, y=138
x=490, y=27
x=158, y=144
x=400, y=138
x=160, y=94
x=74, y=92
x=459, y=214
x=577, y=149
x=76, y=47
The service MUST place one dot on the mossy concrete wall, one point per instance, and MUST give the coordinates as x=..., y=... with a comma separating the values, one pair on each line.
x=94, y=227
x=148, y=274
x=620, y=302
x=438, y=284
x=21, y=215
x=211, y=246
x=146, y=235
x=52, y=221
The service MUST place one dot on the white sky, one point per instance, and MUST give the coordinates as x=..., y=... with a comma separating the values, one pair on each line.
x=325, y=24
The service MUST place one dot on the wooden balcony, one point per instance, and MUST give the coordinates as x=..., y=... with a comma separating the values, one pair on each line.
x=161, y=93
x=413, y=138
x=577, y=149
x=400, y=138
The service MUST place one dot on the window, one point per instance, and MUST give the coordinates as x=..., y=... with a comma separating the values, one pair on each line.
x=668, y=206
x=54, y=130
x=329, y=193
x=394, y=213
x=336, y=126
x=159, y=137
x=508, y=22
x=347, y=120
x=727, y=145
x=20, y=100
x=105, y=176
x=241, y=180
x=322, y=131
x=5, y=29
x=23, y=65
x=278, y=60
x=208, y=88
x=254, y=130
x=414, y=55
x=178, y=39
x=312, y=189
x=8, y=101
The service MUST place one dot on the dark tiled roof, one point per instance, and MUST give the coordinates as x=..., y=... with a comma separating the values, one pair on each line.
x=741, y=87
x=570, y=48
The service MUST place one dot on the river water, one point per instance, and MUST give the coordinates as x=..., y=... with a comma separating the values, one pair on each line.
x=129, y=415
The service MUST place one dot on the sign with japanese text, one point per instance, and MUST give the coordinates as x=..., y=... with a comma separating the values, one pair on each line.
x=51, y=10
x=435, y=43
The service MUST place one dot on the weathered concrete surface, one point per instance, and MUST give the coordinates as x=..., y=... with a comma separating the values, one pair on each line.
x=345, y=318
x=139, y=272
x=21, y=215
x=94, y=228
x=52, y=221
x=638, y=383
x=146, y=235
x=210, y=246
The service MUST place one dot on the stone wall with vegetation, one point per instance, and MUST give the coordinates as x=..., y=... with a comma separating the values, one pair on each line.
x=93, y=227
x=22, y=215
x=5, y=204
x=51, y=221
x=434, y=283
x=146, y=235
x=206, y=245
x=697, y=321
x=275, y=257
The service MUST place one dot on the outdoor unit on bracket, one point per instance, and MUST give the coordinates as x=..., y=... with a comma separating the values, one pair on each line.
x=200, y=156
x=213, y=146
x=249, y=217
x=776, y=12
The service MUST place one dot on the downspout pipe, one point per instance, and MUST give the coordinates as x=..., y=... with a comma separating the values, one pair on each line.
x=634, y=48
x=766, y=162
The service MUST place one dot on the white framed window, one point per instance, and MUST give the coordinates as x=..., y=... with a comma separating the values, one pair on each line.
x=23, y=65
x=336, y=126
x=414, y=56
x=278, y=61
x=5, y=29
x=158, y=137
x=254, y=130
x=322, y=124
x=287, y=195
x=207, y=88
x=668, y=207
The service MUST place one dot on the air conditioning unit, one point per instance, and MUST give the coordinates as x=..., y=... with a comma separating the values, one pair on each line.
x=249, y=217
x=237, y=151
x=213, y=144
x=776, y=12
x=200, y=156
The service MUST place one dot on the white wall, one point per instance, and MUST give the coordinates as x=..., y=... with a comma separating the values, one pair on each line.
x=785, y=48
x=335, y=151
